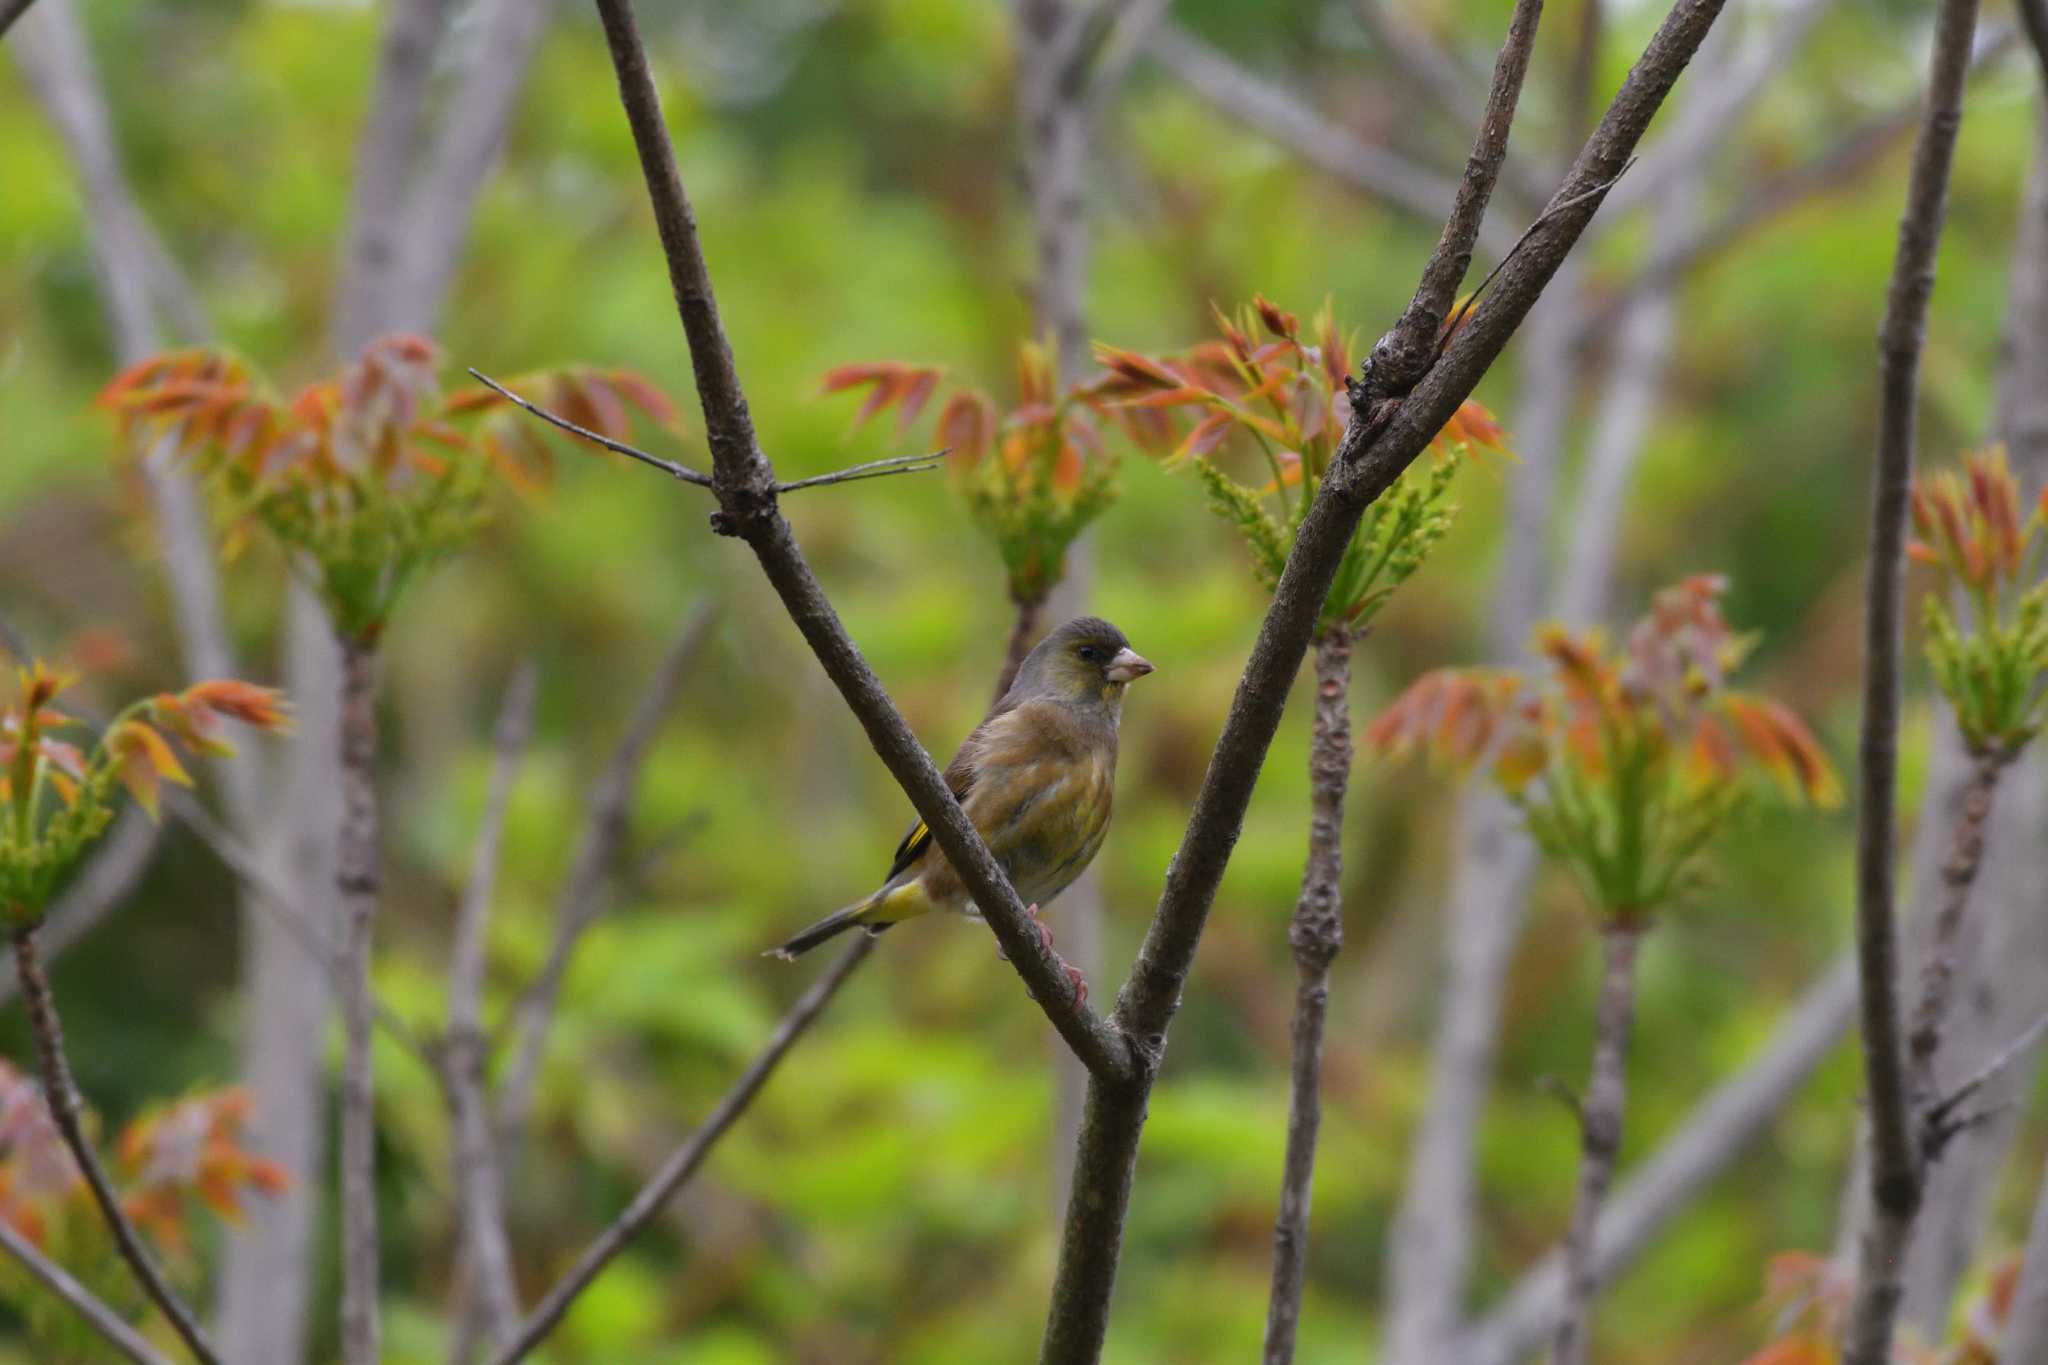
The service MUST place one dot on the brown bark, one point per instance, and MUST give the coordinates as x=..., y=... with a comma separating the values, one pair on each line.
x=1938, y=970
x=1599, y=1134
x=1897, y=1169
x=357, y=878
x=1024, y=632
x=1316, y=934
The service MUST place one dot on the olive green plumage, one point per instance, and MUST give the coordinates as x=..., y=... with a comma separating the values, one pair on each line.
x=1036, y=777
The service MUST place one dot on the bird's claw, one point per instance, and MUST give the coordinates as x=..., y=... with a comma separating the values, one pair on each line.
x=1045, y=937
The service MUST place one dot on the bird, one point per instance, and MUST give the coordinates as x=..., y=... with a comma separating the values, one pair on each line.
x=1036, y=778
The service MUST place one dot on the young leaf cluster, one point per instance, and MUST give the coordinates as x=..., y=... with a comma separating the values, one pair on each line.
x=1286, y=399
x=173, y=1161
x=1989, y=659
x=367, y=477
x=1032, y=477
x=1625, y=763
x=58, y=797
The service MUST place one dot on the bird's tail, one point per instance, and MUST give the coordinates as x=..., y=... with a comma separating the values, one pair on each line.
x=838, y=922
x=886, y=907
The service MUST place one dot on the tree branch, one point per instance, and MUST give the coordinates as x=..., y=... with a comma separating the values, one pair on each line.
x=745, y=485
x=1718, y=1130
x=1316, y=934
x=486, y=1251
x=684, y=1161
x=61, y=1093
x=109, y=877
x=372, y=249
x=607, y=811
x=1938, y=969
x=357, y=875
x=10, y=10
x=1897, y=1171
x=111, y=1326
x=1600, y=1136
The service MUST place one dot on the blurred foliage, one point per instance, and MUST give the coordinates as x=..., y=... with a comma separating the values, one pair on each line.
x=887, y=1199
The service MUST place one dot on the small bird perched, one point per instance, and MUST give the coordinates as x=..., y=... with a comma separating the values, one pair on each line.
x=1036, y=777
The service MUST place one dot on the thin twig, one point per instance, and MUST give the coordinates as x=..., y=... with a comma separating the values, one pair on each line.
x=113, y=872
x=607, y=809
x=1024, y=631
x=668, y=467
x=1940, y=964
x=61, y=1094
x=872, y=469
x=1316, y=934
x=1942, y=1112
x=486, y=1250
x=111, y=1326
x=684, y=1161
x=1897, y=1172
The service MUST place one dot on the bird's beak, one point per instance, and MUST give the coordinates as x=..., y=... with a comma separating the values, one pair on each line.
x=1128, y=664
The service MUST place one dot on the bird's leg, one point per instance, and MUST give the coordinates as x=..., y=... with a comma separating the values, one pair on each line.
x=1045, y=937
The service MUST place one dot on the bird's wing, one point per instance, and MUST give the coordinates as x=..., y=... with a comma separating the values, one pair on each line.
x=960, y=777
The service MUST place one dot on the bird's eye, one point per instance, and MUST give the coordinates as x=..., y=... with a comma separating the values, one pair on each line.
x=1090, y=653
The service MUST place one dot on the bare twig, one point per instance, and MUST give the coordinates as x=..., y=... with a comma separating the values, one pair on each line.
x=1939, y=967
x=684, y=1161
x=1600, y=1120
x=872, y=469
x=1943, y=1111
x=486, y=1251
x=111, y=1326
x=1431, y=68
x=1316, y=935
x=745, y=484
x=1897, y=1169
x=668, y=467
x=61, y=1093
x=1717, y=1131
x=1403, y=354
x=357, y=876
x=607, y=809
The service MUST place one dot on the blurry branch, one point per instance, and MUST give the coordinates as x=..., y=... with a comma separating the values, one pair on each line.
x=1434, y=70
x=683, y=1162
x=2034, y=19
x=1584, y=68
x=1717, y=1131
x=1125, y=29
x=1023, y=634
x=2026, y=1330
x=111, y=1326
x=872, y=469
x=276, y=902
x=1708, y=122
x=607, y=811
x=745, y=484
x=493, y=1298
x=502, y=37
x=110, y=875
x=376, y=229
x=1280, y=115
x=10, y=10
x=1854, y=152
x=1316, y=934
x=60, y=1092
x=1897, y=1164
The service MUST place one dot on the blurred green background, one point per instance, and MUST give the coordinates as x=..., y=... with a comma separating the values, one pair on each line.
x=853, y=163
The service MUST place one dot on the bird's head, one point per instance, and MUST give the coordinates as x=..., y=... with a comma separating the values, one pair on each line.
x=1085, y=660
